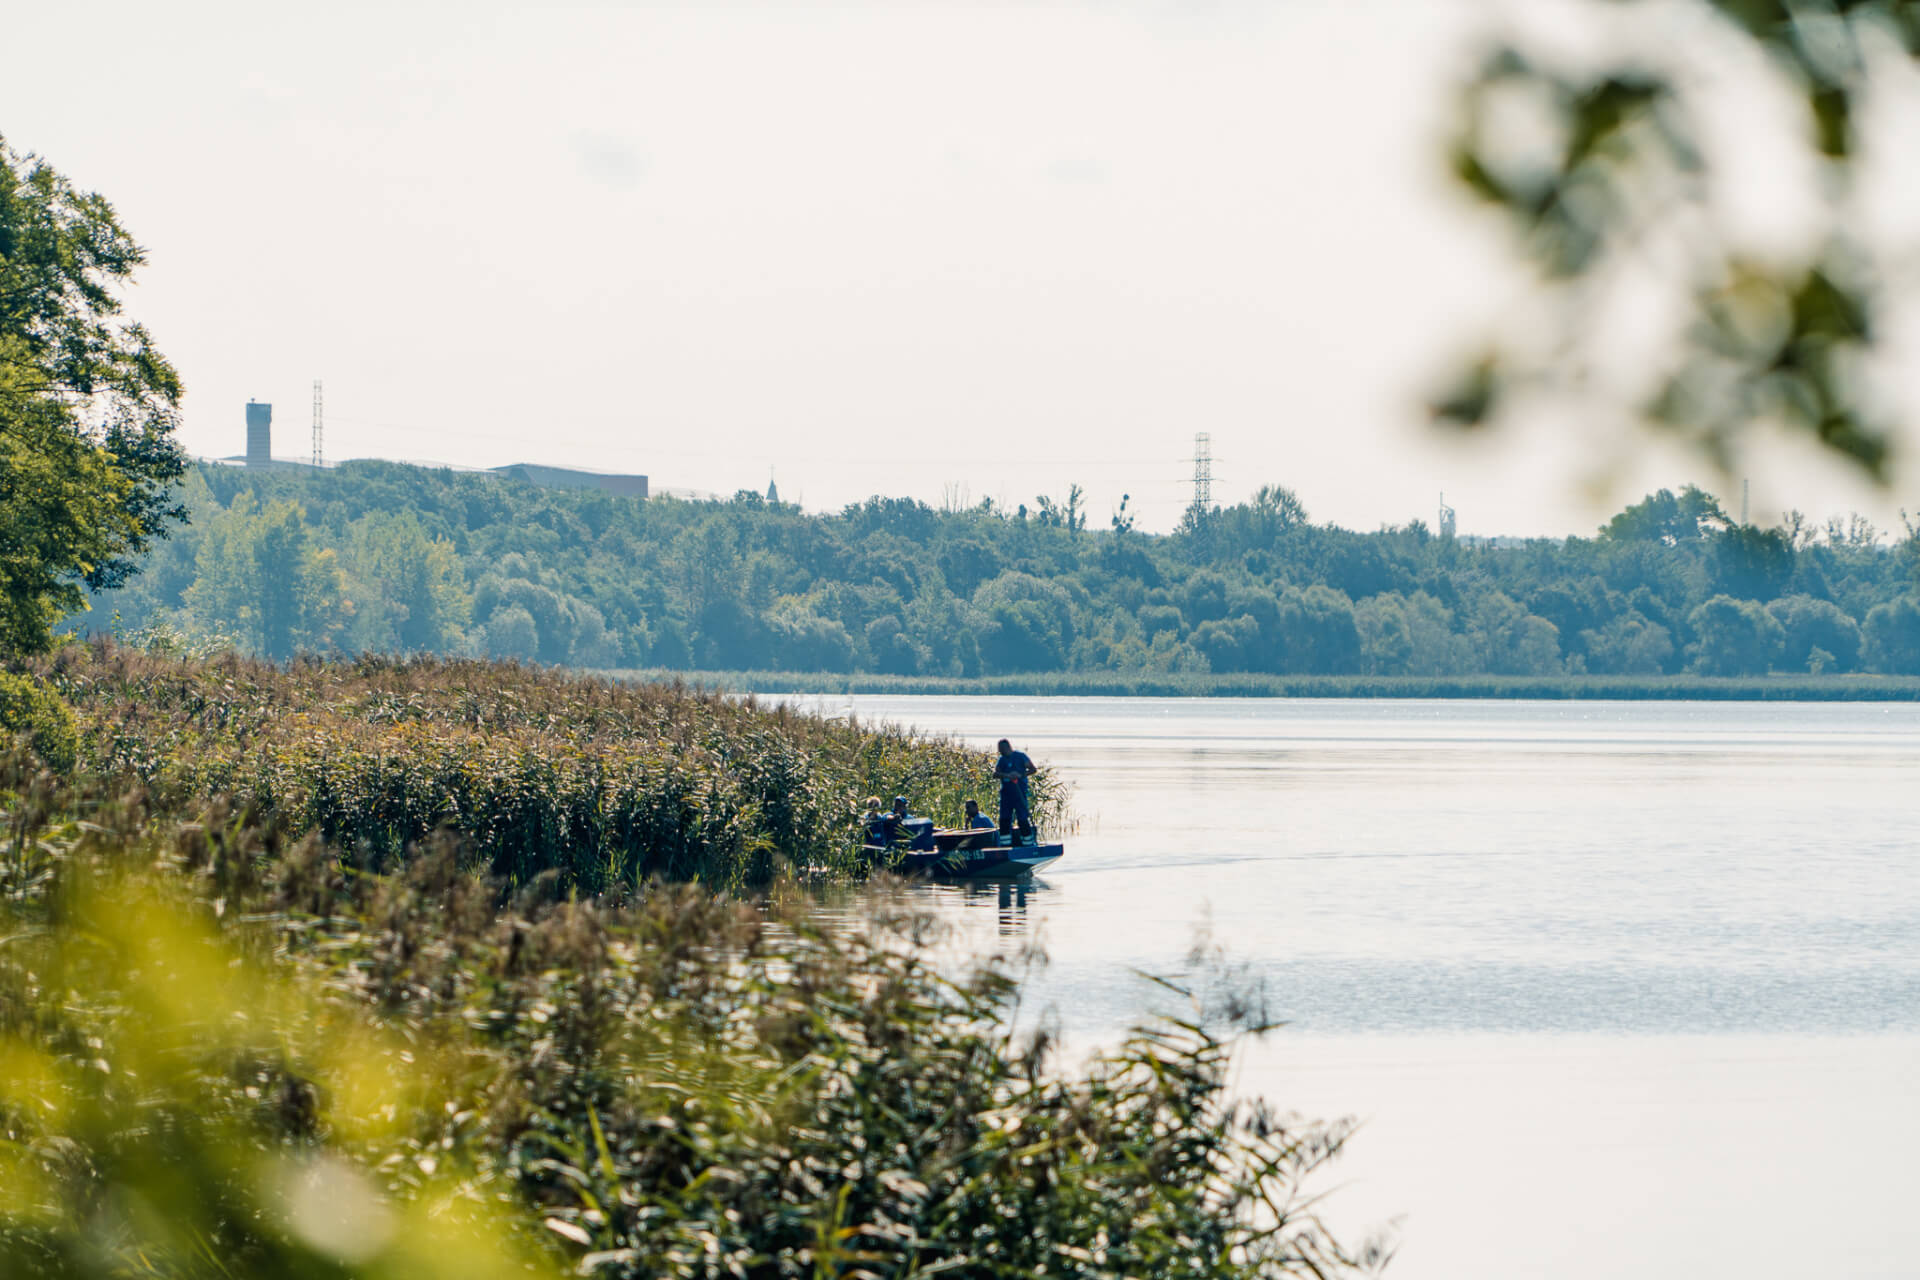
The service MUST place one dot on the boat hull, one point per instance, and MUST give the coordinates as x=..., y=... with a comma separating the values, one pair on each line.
x=957, y=861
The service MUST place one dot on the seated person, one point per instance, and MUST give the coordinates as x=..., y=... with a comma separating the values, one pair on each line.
x=974, y=820
x=918, y=832
x=877, y=825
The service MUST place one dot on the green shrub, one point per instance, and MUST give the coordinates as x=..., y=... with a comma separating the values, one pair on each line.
x=28, y=707
x=1893, y=636
x=1736, y=638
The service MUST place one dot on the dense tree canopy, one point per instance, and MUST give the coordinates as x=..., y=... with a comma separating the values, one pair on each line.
x=88, y=461
x=380, y=556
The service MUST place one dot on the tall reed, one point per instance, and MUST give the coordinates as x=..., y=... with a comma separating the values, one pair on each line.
x=608, y=784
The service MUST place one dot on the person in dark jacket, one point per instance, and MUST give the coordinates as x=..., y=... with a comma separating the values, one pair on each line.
x=916, y=832
x=878, y=822
x=1013, y=768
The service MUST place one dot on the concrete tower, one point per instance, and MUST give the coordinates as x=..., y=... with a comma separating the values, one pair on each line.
x=259, y=434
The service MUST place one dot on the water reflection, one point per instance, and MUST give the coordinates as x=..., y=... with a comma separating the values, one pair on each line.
x=1018, y=906
x=1010, y=900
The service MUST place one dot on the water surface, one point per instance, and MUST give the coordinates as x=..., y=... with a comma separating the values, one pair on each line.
x=1617, y=987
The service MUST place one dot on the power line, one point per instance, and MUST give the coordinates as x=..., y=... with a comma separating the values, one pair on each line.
x=890, y=461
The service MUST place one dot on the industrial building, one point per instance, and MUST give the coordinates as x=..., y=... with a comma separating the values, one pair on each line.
x=629, y=486
x=259, y=457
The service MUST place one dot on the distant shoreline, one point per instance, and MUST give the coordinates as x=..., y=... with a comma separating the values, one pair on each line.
x=1774, y=688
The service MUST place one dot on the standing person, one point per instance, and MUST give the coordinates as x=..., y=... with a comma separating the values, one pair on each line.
x=1013, y=768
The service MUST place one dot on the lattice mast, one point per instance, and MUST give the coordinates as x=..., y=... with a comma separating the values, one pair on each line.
x=1203, y=471
x=318, y=453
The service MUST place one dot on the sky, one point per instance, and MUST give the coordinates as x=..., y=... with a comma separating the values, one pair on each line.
x=947, y=251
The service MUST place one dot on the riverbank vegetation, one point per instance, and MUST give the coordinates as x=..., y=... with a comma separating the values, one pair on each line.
x=387, y=558
x=226, y=1049
x=603, y=784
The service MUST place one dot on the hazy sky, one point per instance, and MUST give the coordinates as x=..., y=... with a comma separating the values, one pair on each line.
x=892, y=247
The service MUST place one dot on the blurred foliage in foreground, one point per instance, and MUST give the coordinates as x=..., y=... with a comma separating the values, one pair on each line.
x=226, y=1053
x=1593, y=132
x=605, y=785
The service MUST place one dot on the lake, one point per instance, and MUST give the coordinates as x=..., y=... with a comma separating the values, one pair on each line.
x=1615, y=987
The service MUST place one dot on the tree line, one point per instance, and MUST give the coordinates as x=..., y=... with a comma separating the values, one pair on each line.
x=385, y=557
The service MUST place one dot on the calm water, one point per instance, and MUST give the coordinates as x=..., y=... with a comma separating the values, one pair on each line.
x=1617, y=987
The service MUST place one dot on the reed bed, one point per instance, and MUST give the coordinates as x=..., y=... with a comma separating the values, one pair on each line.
x=608, y=784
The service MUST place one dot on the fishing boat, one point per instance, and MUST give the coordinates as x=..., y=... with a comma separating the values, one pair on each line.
x=961, y=854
